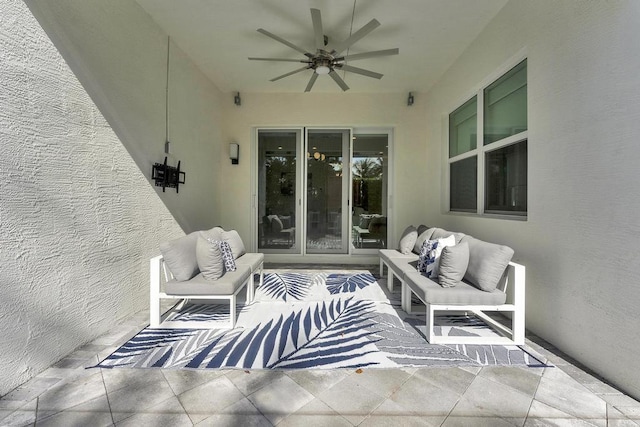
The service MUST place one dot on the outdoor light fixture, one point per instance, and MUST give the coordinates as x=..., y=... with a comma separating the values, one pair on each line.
x=234, y=153
x=236, y=99
x=410, y=99
x=322, y=69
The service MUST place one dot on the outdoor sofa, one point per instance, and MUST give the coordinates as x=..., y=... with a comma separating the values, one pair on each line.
x=189, y=268
x=473, y=279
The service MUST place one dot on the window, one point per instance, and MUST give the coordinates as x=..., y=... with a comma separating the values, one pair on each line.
x=488, y=156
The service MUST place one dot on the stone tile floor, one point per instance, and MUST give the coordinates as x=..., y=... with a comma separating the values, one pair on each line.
x=70, y=394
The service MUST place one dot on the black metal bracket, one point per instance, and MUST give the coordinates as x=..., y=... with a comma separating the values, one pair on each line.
x=167, y=176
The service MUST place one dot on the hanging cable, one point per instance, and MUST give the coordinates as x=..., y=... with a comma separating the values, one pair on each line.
x=166, y=101
x=353, y=14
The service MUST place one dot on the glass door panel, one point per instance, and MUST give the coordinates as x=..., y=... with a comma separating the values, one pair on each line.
x=327, y=191
x=278, y=191
x=369, y=191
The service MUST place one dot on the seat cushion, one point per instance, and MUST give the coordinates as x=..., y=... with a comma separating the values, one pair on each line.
x=399, y=263
x=226, y=285
x=251, y=259
x=463, y=294
x=180, y=256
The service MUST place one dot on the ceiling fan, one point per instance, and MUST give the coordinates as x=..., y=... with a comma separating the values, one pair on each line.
x=326, y=59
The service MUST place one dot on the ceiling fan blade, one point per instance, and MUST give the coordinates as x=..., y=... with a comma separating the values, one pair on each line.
x=279, y=59
x=338, y=80
x=361, y=71
x=284, y=42
x=312, y=80
x=372, y=54
x=289, y=73
x=318, y=33
x=372, y=25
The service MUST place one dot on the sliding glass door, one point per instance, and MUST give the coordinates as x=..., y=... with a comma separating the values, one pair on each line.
x=322, y=191
x=327, y=191
x=369, y=188
x=279, y=172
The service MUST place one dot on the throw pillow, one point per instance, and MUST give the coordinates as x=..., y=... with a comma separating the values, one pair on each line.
x=430, y=256
x=427, y=257
x=209, y=258
x=453, y=264
x=408, y=240
x=227, y=256
x=364, y=221
x=180, y=256
x=422, y=228
x=487, y=263
x=233, y=239
x=276, y=224
x=425, y=235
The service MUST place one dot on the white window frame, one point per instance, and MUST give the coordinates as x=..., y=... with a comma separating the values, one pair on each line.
x=481, y=150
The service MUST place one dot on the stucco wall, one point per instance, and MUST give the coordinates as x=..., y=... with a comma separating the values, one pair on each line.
x=119, y=54
x=581, y=242
x=78, y=219
x=342, y=109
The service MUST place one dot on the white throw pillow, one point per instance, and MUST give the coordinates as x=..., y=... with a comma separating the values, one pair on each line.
x=233, y=239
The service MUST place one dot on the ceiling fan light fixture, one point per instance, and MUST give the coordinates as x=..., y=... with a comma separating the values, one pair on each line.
x=322, y=69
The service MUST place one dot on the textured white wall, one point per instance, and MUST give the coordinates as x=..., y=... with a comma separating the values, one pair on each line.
x=581, y=242
x=78, y=219
x=312, y=109
x=119, y=54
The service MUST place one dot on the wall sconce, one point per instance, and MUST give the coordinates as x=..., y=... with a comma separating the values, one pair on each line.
x=410, y=99
x=234, y=153
x=237, y=100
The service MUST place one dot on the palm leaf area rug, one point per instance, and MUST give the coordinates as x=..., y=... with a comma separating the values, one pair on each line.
x=312, y=320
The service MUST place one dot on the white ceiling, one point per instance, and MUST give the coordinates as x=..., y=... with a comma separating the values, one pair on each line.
x=219, y=36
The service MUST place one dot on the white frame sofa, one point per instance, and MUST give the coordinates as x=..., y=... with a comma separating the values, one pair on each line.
x=488, y=262
x=175, y=275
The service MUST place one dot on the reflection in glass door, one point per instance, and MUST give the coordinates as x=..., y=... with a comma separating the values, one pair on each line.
x=327, y=191
x=278, y=190
x=369, y=191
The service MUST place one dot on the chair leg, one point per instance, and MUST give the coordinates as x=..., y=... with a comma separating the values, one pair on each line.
x=154, y=293
x=430, y=318
x=232, y=311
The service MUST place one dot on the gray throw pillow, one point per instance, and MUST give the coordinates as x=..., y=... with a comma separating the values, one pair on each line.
x=209, y=258
x=487, y=263
x=408, y=240
x=233, y=239
x=422, y=228
x=422, y=237
x=180, y=256
x=453, y=264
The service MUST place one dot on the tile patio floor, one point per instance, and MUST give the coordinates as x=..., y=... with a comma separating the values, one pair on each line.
x=68, y=394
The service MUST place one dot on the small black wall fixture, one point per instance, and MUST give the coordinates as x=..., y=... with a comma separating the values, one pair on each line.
x=237, y=100
x=234, y=153
x=410, y=99
x=167, y=176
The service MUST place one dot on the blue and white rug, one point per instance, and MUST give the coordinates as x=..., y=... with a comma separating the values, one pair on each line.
x=313, y=320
